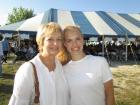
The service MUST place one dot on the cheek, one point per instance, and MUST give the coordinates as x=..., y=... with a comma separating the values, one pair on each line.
x=81, y=42
x=66, y=45
x=46, y=43
x=61, y=45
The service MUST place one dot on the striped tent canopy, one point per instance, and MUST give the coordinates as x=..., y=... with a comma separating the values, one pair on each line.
x=92, y=23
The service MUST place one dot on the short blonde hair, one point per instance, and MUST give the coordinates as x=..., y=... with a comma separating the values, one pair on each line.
x=46, y=30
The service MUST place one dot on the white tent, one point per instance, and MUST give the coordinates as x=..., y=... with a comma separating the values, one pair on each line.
x=91, y=23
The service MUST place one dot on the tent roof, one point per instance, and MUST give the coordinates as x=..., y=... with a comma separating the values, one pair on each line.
x=11, y=27
x=92, y=23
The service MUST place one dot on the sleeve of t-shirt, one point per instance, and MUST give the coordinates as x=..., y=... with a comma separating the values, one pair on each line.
x=23, y=86
x=106, y=72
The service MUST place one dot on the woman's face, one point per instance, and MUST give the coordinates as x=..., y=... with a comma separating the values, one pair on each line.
x=74, y=42
x=52, y=44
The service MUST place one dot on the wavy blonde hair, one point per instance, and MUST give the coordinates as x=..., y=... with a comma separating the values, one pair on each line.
x=64, y=55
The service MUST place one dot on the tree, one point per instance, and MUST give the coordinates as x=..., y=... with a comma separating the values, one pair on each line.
x=19, y=14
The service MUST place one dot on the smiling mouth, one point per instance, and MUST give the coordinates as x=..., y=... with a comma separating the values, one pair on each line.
x=55, y=49
x=75, y=49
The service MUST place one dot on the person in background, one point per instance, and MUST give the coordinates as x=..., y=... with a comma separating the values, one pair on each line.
x=1, y=54
x=89, y=77
x=5, y=45
x=53, y=87
x=30, y=52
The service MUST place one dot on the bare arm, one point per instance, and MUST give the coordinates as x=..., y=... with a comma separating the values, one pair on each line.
x=109, y=93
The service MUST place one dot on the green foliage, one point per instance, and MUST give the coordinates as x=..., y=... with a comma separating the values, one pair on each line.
x=19, y=14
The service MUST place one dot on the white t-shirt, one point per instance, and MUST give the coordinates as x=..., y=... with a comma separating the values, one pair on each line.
x=86, y=79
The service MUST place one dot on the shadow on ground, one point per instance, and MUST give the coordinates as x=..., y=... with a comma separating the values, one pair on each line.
x=7, y=89
x=118, y=63
x=8, y=76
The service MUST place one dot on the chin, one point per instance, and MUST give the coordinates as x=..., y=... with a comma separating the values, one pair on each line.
x=75, y=53
x=54, y=53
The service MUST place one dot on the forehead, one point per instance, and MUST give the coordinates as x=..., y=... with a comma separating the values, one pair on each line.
x=72, y=33
x=53, y=34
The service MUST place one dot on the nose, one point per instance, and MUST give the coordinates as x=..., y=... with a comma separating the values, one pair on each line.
x=56, y=42
x=74, y=43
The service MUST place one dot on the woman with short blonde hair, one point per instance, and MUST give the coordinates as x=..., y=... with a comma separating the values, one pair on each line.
x=46, y=30
x=53, y=88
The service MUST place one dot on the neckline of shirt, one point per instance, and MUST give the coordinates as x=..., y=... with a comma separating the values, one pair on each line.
x=44, y=65
x=79, y=60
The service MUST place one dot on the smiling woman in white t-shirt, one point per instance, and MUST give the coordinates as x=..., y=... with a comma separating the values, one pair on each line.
x=89, y=77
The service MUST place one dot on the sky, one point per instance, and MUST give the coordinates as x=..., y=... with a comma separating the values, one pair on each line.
x=39, y=6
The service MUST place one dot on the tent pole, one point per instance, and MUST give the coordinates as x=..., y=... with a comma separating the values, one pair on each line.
x=126, y=47
x=134, y=55
x=107, y=54
x=18, y=40
x=103, y=45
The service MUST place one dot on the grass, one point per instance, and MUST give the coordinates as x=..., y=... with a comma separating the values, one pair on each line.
x=6, y=82
x=126, y=84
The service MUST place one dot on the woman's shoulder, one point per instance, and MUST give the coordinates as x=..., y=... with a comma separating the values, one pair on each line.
x=96, y=58
x=24, y=69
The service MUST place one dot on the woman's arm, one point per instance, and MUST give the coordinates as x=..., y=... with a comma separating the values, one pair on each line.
x=23, y=86
x=109, y=93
